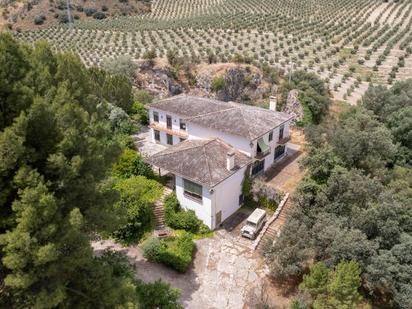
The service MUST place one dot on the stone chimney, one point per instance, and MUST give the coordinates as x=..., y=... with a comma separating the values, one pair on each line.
x=272, y=103
x=230, y=160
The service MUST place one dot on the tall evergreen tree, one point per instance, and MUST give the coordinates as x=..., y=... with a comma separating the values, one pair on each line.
x=56, y=149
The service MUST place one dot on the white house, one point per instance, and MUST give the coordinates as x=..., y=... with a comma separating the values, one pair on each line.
x=211, y=146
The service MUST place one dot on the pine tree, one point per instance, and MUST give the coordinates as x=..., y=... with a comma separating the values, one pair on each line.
x=56, y=151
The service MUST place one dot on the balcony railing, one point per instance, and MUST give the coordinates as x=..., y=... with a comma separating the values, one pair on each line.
x=262, y=154
x=158, y=127
x=284, y=140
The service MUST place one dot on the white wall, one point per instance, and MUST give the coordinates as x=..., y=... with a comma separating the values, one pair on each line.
x=227, y=195
x=162, y=123
x=269, y=159
x=225, y=198
x=196, y=132
x=203, y=210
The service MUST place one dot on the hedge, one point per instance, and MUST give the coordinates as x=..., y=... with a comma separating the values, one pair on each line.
x=176, y=253
x=177, y=218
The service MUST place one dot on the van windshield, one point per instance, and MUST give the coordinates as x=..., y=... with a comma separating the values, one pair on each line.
x=251, y=224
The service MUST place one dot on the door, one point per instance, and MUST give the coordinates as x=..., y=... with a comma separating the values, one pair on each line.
x=279, y=151
x=218, y=218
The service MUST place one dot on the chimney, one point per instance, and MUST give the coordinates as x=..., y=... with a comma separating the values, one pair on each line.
x=230, y=160
x=272, y=103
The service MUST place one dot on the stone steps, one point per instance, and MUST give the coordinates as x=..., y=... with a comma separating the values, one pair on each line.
x=158, y=208
x=274, y=229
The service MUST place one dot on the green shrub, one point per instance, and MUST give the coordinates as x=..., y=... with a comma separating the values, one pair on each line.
x=143, y=96
x=151, y=248
x=63, y=18
x=218, y=83
x=137, y=195
x=99, y=15
x=39, y=19
x=89, y=11
x=131, y=163
x=176, y=253
x=180, y=219
x=158, y=294
x=142, y=114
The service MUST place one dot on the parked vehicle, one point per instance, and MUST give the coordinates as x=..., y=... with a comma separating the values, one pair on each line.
x=254, y=223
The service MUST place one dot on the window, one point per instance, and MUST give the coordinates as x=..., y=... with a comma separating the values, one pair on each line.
x=155, y=116
x=281, y=129
x=258, y=167
x=182, y=125
x=270, y=136
x=279, y=151
x=169, y=122
x=157, y=135
x=262, y=149
x=192, y=189
x=169, y=139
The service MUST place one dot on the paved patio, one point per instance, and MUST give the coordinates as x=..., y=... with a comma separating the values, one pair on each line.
x=143, y=143
x=286, y=173
x=226, y=272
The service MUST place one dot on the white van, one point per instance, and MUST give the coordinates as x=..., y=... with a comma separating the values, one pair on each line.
x=254, y=224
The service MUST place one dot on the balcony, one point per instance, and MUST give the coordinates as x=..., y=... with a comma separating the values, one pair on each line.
x=262, y=150
x=261, y=154
x=156, y=126
x=283, y=140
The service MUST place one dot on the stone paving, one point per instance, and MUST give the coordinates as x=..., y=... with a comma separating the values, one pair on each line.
x=286, y=174
x=226, y=273
x=143, y=143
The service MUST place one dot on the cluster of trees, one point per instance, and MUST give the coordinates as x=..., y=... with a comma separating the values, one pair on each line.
x=62, y=126
x=356, y=202
x=332, y=288
x=313, y=95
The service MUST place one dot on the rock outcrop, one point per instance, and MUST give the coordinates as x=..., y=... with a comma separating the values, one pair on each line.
x=293, y=106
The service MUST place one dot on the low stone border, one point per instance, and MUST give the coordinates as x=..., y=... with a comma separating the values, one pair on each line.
x=270, y=221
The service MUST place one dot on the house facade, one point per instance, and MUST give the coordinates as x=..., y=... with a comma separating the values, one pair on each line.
x=212, y=144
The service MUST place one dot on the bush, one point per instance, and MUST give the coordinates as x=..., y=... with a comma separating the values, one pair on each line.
x=99, y=15
x=176, y=253
x=180, y=219
x=218, y=83
x=150, y=55
x=122, y=64
x=63, y=18
x=39, y=19
x=257, y=193
x=158, y=294
x=89, y=11
x=131, y=163
x=137, y=195
x=151, y=248
x=143, y=96
x=140, y=111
